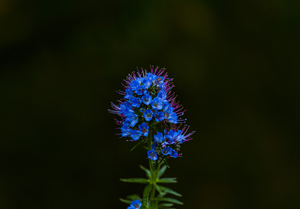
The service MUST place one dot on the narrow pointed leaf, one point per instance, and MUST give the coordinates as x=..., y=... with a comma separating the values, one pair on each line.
x=135, y=146
x=146, y=193
x=136, y=180
x=165, y=205
x=168, y=190
x=125, y=201
x=133, y=197
x=166, y=163
x=148, y=173
x=162, y=194
x=172, y=200
x=155, y=204
x=158, y=189
x=167, y=180
x=161, y=171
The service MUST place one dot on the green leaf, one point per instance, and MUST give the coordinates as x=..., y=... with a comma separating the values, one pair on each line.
x=125, y=201
x=165, y=205
x=133, y=197
x=146, y=193
x=161, y=171
x=136, y=180
x=168, y=190
x=135, y=146
x=162, y=194
x=167, y=180
x=168, y=199
x=158, y=189
x=148, y=173
x=155, y=204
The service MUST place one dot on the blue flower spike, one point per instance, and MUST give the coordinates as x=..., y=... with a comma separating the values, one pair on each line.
x=150, y=115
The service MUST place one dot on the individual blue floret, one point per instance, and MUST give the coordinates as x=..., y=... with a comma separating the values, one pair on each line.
x=166, y=151
x=148, y=115
x=147, y=99
x=134, y=85
x=136, y=102
x=159, y=137
x=144, y=129
x=152, y=155
x=146, y=83
x=132, y=119
x=136, y=204
x=159, y=116
x=157, y=103
x=141, y=91
x=135, y=134
x=174, y=154
x=125, y=131
x=126, y=109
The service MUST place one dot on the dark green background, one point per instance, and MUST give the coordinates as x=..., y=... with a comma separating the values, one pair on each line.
x=235, y=65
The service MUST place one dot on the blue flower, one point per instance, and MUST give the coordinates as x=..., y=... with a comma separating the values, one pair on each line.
x=148, y=115
x=166, y=151
x=129, y=93
x=167, y=107
x=125, y=131
x=159, y=116
x=135, y=134
x=144, y=129
x=174, y=154
x=159, y=137
x=136, y=204
x=171, y=137
x=126, y=124
x=152, y=155
x=157, y=103
x=146, y=83
x=162, y=95
x=126, y=109
x=136, y=102
x=159, y=81
x=164, y=144
x=134, y=84
x=132, y=119
x=170, y=115
x=147, y=99
x=154, y=145
x=140, y=90
x=151, y=77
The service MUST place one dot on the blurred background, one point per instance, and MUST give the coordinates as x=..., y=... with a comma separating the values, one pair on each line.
x=235, y=65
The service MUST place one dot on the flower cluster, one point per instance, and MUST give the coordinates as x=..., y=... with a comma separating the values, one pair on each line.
x=168, y=143
x=136, y=204
x=148, y=102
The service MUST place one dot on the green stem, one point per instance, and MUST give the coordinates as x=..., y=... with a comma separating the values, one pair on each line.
x=152, y=172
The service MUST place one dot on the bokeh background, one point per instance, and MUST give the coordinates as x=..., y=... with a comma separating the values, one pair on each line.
x=235, y=65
